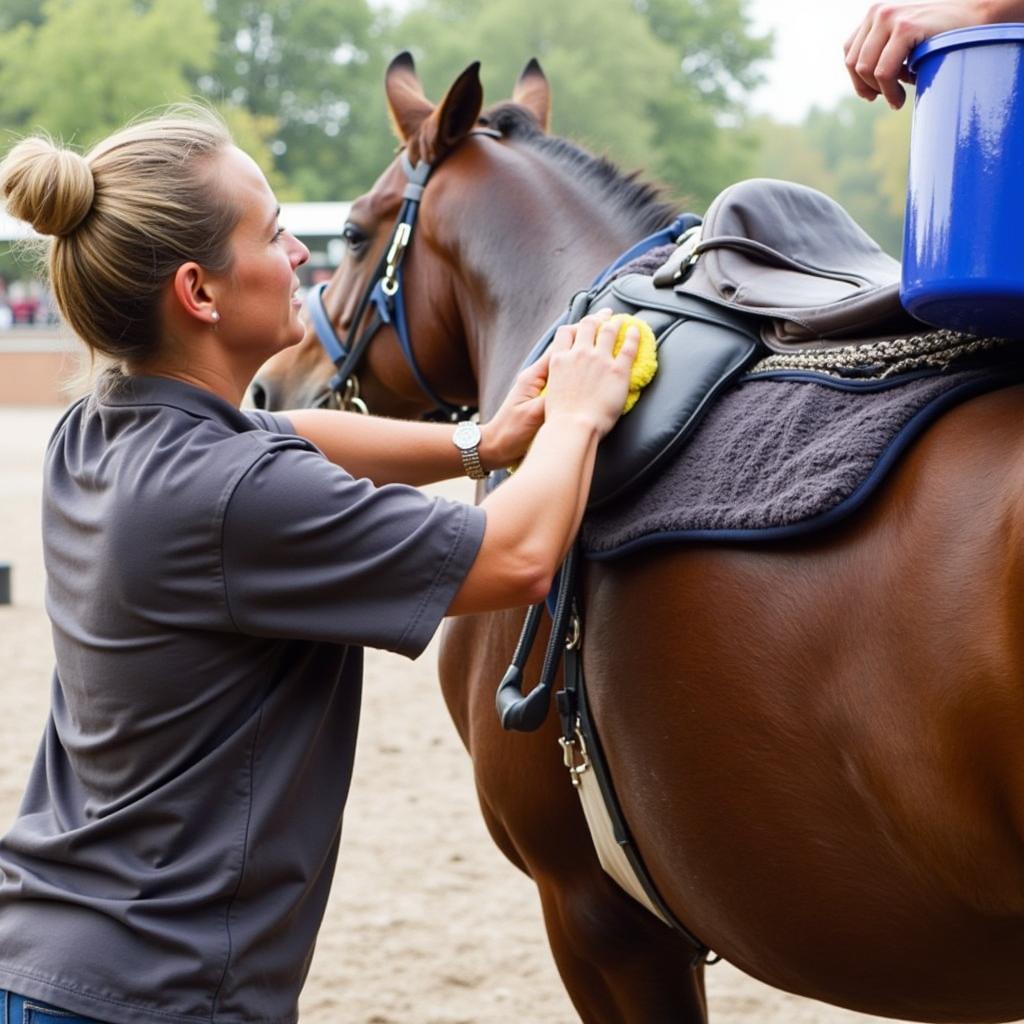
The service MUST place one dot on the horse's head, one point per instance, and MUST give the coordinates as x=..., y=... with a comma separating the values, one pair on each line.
x=436, y=290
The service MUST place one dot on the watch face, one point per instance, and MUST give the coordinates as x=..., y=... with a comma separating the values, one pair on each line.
x=467, y=435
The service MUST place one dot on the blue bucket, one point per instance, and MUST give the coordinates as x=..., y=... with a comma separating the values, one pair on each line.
x=963, y=241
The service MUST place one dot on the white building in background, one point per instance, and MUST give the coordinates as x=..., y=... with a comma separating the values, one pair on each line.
x=318, y=225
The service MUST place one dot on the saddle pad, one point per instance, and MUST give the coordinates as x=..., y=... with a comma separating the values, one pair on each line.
x=781, y=455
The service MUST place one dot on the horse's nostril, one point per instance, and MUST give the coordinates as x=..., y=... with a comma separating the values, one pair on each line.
x=259, y=396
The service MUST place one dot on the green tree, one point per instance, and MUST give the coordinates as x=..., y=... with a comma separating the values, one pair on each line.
x=89, y=65
x=891, y=158
x=623, y=75
x=848, y=138
x=16, y=12
x=784, y=151
x=316, y=68
x=854, y=152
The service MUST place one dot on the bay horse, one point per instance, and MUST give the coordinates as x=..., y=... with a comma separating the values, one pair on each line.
x=818, y=745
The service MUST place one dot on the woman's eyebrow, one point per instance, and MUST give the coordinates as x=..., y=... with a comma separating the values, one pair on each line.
x=273, y=220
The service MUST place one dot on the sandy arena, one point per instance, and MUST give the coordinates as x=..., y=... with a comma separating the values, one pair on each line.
x=427, y=923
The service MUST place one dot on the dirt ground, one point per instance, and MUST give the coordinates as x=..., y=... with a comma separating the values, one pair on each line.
x=427, y=923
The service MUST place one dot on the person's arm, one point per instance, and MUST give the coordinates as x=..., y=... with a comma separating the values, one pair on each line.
x=399, y=451
x=877, y=50
x=533, y=516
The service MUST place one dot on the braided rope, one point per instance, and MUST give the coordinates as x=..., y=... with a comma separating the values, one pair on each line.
x=881, y=359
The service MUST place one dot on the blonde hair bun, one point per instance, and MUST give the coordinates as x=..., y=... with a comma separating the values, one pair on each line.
x=49, y=187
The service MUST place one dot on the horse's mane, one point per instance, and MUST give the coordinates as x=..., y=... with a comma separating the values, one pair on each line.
x=641, y=201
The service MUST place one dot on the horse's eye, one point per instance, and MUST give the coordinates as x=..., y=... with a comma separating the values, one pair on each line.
x=354, y=236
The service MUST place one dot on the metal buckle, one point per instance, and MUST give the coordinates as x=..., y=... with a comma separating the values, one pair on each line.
x=574, y=755
x=389, y=283
x=679, y=265
x=350, y=400
x=575, y=634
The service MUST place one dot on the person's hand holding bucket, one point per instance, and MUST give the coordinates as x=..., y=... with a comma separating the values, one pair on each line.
x=877, y=51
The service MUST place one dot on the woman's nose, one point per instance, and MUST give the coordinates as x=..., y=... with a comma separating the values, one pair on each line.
x=299, y=254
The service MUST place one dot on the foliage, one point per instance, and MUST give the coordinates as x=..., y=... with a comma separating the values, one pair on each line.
x=625, y=79
x=856, y=153
x=316, y=68
x=653, y=84
x=59, y=74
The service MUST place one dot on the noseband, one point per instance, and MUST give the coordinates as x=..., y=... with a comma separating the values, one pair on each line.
x=384, y=292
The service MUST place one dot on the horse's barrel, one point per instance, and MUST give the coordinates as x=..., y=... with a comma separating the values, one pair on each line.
x=963, y=243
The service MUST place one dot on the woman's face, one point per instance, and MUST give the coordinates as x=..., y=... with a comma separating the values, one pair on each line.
x=256, y=303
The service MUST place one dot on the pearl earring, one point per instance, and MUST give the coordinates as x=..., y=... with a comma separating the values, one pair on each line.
x=215, y=316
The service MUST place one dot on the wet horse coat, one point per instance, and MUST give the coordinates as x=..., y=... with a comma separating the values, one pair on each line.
x=817, y=744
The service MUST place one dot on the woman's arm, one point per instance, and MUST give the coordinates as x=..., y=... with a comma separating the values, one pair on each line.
x=398, y=451
x=877, y=50
x=533, y=516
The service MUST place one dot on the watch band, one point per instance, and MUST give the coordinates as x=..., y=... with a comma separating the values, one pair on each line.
x=471, y=463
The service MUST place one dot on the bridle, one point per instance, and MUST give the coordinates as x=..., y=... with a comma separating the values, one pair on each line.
x=384, y=292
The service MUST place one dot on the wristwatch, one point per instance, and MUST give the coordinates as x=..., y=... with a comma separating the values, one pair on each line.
x=467, y=439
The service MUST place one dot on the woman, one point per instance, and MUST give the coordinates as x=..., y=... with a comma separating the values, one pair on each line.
x=212, y=577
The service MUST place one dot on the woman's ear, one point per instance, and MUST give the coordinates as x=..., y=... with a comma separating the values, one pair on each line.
x=192, y=294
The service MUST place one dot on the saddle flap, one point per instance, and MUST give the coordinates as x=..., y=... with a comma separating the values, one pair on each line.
x=701, y=350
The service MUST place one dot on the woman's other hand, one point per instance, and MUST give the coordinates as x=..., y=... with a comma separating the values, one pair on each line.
x=877, y=51
x=585, y=381
x=505, y=437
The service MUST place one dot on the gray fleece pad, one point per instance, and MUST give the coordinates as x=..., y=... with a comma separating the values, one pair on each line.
x=781, y=456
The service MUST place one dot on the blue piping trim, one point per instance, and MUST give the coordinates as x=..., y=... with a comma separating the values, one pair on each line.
x=908, y=433
x=682, y=223
x=322, y=323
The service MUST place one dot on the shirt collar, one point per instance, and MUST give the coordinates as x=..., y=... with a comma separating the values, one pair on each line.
x=138, y=389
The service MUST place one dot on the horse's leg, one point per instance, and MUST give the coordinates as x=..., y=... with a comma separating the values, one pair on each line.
x=619, y=963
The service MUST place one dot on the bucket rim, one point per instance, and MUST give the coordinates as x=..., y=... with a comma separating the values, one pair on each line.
x=976, y=35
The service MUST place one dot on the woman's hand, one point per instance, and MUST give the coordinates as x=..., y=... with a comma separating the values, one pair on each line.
x=585, y=381
x=505, y=437
x=877, y=51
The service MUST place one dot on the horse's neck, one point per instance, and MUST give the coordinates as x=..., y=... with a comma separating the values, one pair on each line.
x=528, y=282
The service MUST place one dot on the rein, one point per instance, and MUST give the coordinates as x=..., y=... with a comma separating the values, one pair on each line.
x=384, y=292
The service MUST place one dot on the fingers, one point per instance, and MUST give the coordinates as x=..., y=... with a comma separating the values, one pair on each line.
x=852, y=51
x=606, y=335
x=583, y=332
x=537, y=370
x=887, y=70
x=627, y=354
x=587, y=329
x=564, y=337
x=862, y=58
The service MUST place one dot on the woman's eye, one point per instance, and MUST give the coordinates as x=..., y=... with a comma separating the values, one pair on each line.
x=354, y=237
x=279, y=232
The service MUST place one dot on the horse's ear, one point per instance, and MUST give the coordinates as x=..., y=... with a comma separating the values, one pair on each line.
x=407, y=104
x=455, y=116
x=533, y=92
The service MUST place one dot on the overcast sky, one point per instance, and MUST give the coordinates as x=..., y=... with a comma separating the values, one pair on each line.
x=808, y=64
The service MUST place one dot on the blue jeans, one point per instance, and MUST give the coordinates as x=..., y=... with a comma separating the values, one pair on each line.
x=25, y=1010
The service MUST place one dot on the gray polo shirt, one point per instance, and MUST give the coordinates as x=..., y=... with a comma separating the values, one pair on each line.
x=211, y=578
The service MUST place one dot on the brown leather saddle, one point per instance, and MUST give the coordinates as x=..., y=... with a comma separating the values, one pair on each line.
x=775, y=266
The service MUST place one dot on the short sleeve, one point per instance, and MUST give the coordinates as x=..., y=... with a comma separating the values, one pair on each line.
x=274, y=422
x=311, y=553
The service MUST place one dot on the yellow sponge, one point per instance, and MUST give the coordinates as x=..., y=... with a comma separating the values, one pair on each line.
x=645, y=364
